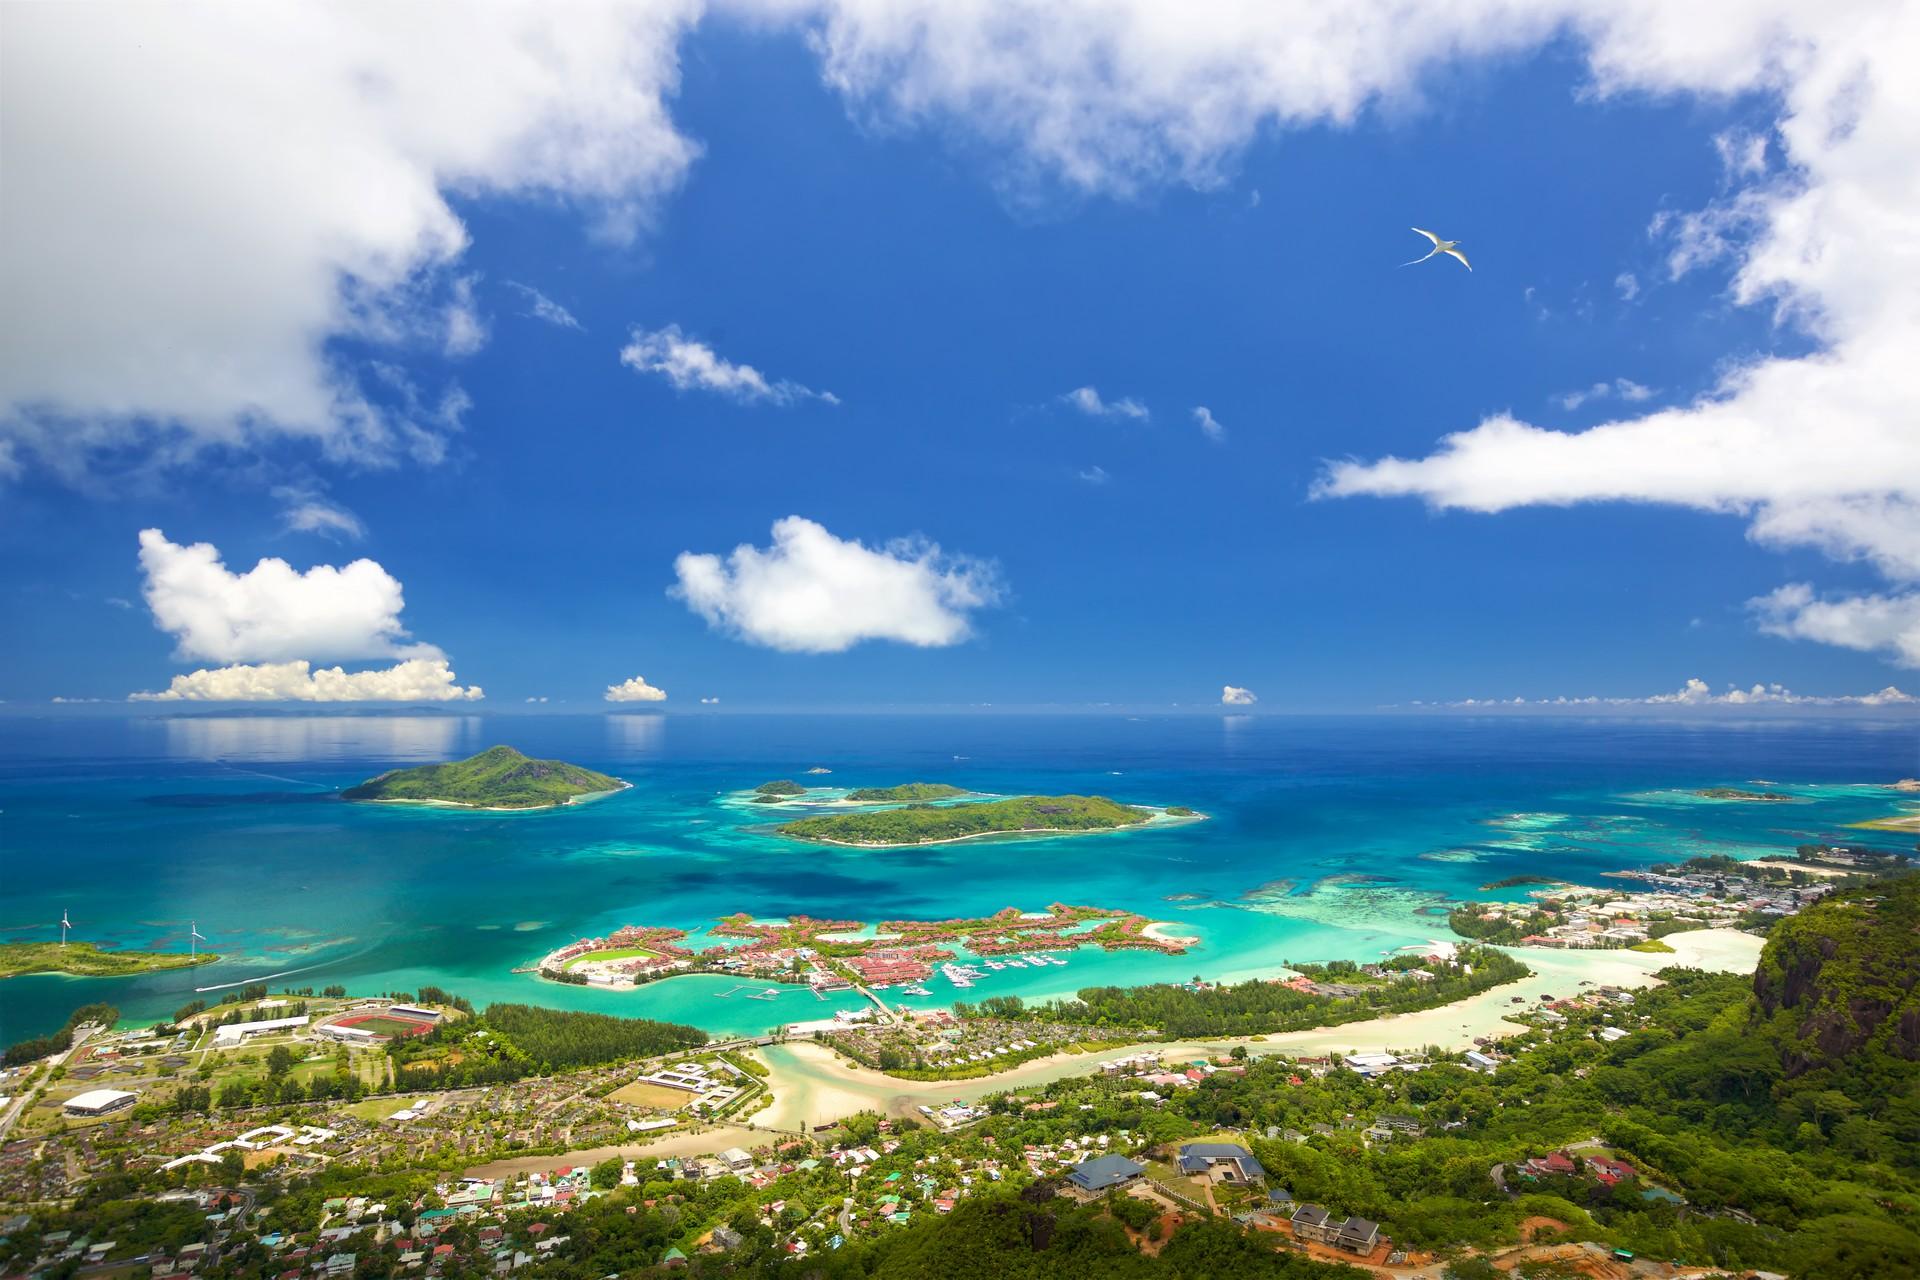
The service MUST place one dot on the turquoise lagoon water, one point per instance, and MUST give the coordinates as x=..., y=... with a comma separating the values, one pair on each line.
x=1326, y=838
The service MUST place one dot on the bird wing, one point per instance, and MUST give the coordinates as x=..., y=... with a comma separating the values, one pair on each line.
x=1455, y=253
x=1428, y=234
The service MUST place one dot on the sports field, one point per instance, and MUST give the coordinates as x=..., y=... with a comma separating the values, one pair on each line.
x=381, y=1025
x=642, y=1094
x=613, y=953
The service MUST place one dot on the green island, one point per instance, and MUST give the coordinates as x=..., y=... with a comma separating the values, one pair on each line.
x=497, y=778
x=1737, y=793
x=932, y=824
x=780, y=789
x=85, y=960
x=907, y=792
x=1515, y=882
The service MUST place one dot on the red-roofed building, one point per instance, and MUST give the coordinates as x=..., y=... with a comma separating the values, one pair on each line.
x=1610, y=1171
x=1557, y=1163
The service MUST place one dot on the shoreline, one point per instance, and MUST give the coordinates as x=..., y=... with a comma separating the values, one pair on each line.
x=812, y=1085
x=1158, y=819
x=584, y=797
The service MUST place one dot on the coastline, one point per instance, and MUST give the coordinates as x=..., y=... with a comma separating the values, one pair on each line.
x=813, y=1085
x=583, y=798
x=1159, y=818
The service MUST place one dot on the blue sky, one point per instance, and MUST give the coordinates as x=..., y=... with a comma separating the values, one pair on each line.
x=950, y=291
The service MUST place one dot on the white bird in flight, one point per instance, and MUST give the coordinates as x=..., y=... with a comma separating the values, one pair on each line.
x=1449, y=247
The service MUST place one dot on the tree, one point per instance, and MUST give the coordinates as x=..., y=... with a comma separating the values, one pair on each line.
x=606, y=1174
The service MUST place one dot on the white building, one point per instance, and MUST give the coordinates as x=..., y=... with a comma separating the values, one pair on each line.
x=98, y=1102
x=236, y=1032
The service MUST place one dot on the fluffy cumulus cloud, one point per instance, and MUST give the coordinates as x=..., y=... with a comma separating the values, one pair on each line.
x=1884, y=624
x=691, y=365
x=635, y=690
x=272, y=612
x=1234, y=696
x=415, y=680
x=811, y=592
x=200, y=200
x=1087, y=400
x=1698, y=693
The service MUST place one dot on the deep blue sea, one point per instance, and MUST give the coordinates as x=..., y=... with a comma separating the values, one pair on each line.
x=1326, y=838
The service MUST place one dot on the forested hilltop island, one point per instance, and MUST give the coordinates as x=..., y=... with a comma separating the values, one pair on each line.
x=1714, y=1125
x=85, y=960
x=922, y=823
x=497, y=778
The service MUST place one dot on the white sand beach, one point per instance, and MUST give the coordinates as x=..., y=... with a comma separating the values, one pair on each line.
x=812, y=1085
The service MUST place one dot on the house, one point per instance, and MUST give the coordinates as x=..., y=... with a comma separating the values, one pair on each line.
x=1220, y=1162
x=725, y=1238
x=1609, y=1171
x=1310, y=1223
x=1554, y=1164
x=673, y=1258
x=1395, y=1126
x=736, y=1159
x=1102, y=1174
x=1357, y=1235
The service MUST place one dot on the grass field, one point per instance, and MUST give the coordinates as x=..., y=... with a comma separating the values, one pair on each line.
x=377, y=1109
x=641, y=1094
x=614, y=953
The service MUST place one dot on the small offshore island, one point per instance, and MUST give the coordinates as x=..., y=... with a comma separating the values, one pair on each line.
x=922, y=823
x=497, y=778
x=85, y=960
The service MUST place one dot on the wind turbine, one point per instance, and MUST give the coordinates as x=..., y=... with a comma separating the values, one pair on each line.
x=194, y=935
x=64, y=926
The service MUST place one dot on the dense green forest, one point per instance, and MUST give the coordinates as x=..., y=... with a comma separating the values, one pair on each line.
x=908, y=791
x=497, y=778
x=1257, y=1007
x=509, y=1041
x=780, y=788
x=919, y=823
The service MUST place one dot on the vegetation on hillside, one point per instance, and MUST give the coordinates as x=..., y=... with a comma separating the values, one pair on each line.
x=24, y=1051
x=907, y=791
x=779, y=788
x=922, y=824
x=497, y=778
x=84, y=960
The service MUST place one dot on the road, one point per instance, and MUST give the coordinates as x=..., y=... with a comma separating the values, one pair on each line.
x=18, y=1106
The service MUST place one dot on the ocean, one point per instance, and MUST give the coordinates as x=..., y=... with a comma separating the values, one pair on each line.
x=1325, y=838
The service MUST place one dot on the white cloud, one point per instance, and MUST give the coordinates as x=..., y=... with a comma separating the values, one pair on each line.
x=1095, y=474
x=1816, y=450
x=544, y=308
x=1625, y=388
x=1209, y=426
x=271, y=612
x=1628, y=284
x=1088, y=401
x=1698, y=693
x=709, y=702
x=1234, y=696
x=307, y=511
x=1886, y=624
x=199, y=201
x=415, y=680
x=811, y=592
x=692, y=365
x=635, y=690
x=542, y=698
x=466, y=330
